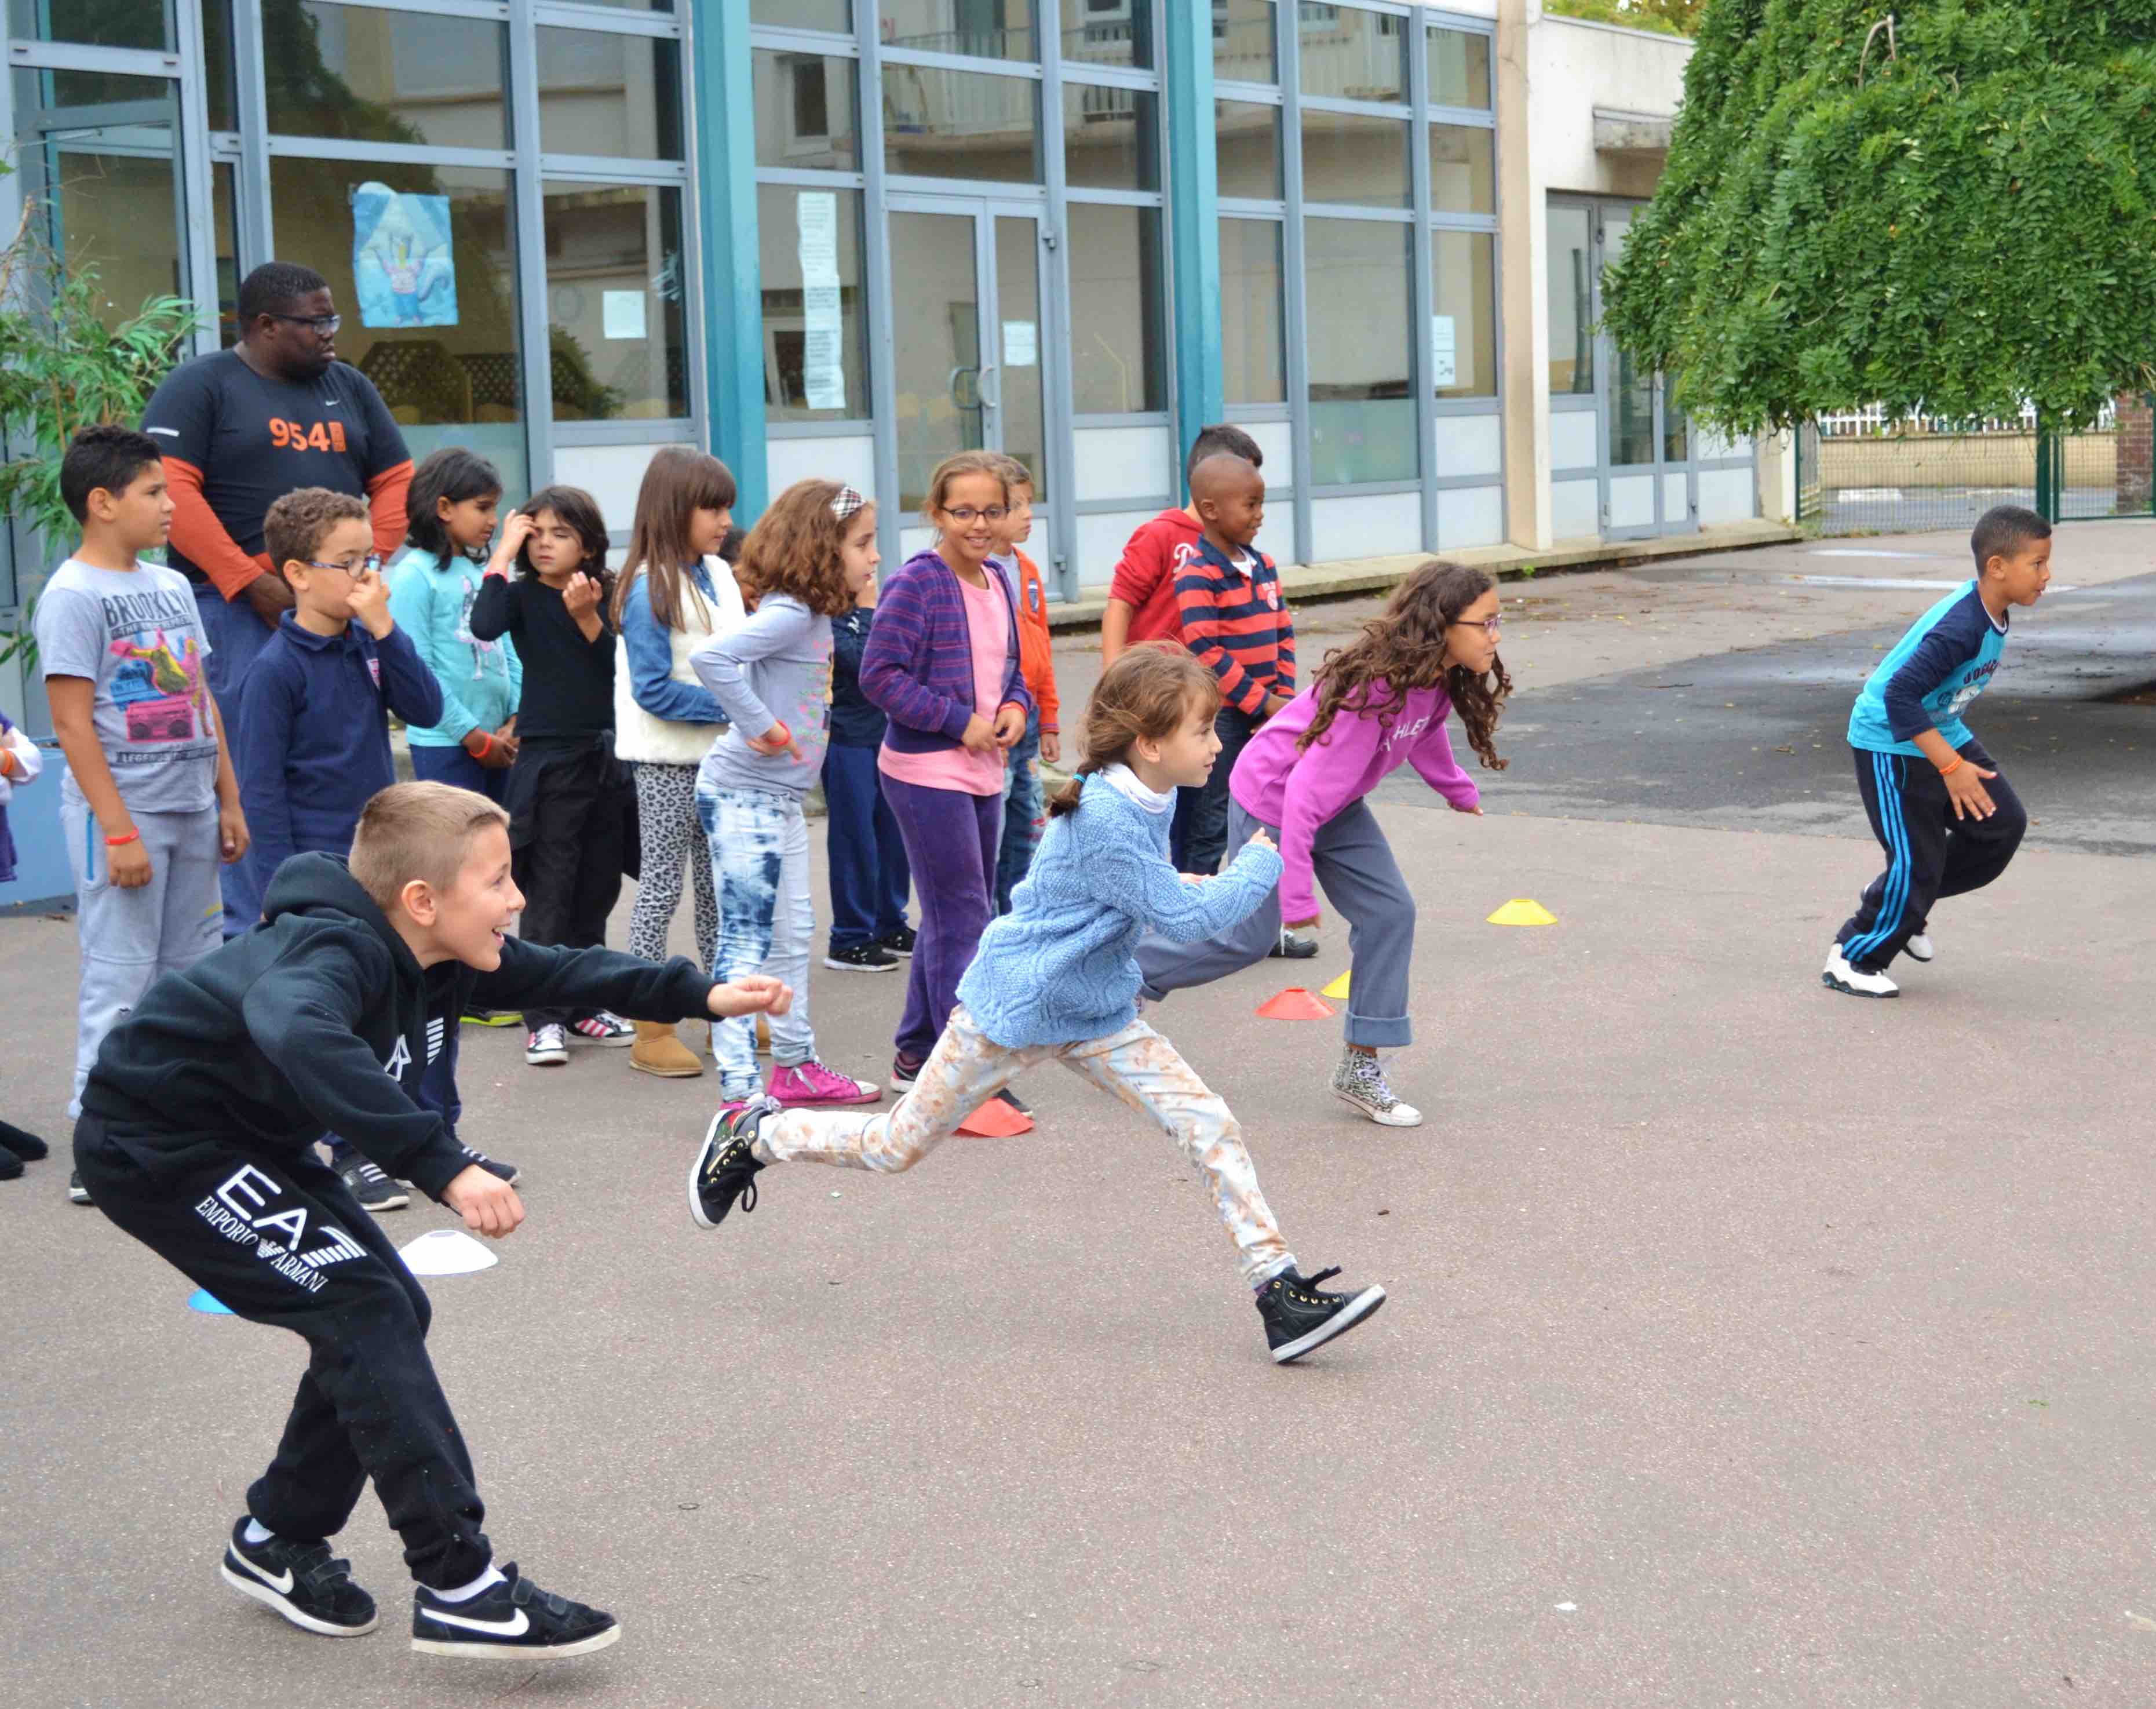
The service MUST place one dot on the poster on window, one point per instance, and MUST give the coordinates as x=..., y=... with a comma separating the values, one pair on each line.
x=822, y=321
x=404, y=269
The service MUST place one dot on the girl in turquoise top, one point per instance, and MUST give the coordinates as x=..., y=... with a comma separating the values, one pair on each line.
x=432, y=584
x=1057, y=979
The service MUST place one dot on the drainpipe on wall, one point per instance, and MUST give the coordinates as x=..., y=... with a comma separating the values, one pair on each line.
x=1523, y=245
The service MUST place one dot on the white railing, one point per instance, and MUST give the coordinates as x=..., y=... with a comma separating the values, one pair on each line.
x=1872, y=422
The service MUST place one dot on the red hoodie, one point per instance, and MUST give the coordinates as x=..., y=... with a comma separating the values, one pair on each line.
x=1145, y=575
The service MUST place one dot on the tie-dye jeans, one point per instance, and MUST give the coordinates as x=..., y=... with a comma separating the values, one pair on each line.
x=759, y=842
x=968, y=1068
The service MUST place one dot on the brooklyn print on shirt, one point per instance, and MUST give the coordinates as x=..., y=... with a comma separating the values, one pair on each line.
x=158, y=685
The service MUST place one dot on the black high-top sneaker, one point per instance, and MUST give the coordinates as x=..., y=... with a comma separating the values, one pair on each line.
x=725, y=1170
x=1300, y=1317
x=300, y=1581
x=515, y=1618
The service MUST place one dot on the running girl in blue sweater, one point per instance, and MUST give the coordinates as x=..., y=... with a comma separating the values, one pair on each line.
x=1057, y=977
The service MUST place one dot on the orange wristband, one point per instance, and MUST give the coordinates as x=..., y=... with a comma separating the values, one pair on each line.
x=1949, y=771
x=122, y=842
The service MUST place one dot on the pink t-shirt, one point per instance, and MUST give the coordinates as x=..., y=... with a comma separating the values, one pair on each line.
x=988, y=624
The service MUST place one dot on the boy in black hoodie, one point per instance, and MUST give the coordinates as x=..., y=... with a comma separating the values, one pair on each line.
x=197, y=1137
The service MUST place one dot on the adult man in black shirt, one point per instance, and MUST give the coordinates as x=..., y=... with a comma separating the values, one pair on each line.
x=242, y=428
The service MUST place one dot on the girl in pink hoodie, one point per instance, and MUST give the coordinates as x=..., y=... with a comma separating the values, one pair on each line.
x=1377, y=703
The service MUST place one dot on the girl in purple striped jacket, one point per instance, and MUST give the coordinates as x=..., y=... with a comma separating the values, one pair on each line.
x=942, y=663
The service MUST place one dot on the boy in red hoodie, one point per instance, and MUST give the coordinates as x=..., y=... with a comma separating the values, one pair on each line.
x=1025, y=814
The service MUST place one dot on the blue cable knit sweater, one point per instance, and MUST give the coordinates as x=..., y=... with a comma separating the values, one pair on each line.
x=1059, y=967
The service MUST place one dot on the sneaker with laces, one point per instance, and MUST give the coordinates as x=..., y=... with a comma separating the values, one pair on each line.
x=812, y=1083
x=77, y=1193
x=725, y=1169
x=374, y=1190
x=547, y=1046
x=300, y=1581
x=900, y=942
x=601, y=1026
x=1290, y=947
x=904, y=1071
x=1300, y=1316
x=495, y=1017
x=1839, y=975
x=1918, y=948
x=515, y=1618
x=1358, y=1080
x=26, y=1146
x=507, y=1173
x=861, y=958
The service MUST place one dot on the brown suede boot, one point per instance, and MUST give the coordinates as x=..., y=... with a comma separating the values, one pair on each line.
x=657, y=1051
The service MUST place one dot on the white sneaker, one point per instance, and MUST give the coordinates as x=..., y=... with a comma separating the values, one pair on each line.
x=1359, y=1081
x=547, y=1046
x=1839, y=976
x=1918, y=948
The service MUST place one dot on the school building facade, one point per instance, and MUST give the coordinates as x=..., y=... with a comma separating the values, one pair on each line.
x=849, y=237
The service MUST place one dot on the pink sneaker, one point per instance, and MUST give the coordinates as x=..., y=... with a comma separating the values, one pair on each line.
x=812, y=1083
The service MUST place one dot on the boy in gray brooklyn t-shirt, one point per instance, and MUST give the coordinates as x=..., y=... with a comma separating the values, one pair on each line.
x=149, y=804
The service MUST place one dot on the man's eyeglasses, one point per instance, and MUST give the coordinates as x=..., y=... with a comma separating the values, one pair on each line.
x=1489, y=625
x=368, y=565
x=964, y=515
x=321, y=323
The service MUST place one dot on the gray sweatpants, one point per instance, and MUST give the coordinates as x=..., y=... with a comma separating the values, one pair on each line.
x=128, y=937
x=1355, y=867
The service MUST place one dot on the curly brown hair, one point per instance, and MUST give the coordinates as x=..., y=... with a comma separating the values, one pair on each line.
x=1402, y=650
x=1149, y=690
x=795, y=549
x=292, y=532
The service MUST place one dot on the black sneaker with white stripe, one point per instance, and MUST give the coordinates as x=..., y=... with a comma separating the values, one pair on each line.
x=374, y=1190
x=1300, y=1317
x=300, y=1581
x=601, y=1026
x=514, y=1619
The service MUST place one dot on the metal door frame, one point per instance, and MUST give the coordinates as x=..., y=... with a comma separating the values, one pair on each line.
x=1054, y=520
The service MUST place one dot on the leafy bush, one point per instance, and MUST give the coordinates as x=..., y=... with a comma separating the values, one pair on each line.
x=1943, y=205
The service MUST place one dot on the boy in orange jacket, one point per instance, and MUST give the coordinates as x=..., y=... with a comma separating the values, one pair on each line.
x=1024, y=816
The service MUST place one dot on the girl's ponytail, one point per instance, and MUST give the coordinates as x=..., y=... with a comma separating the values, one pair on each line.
x=1147, y=693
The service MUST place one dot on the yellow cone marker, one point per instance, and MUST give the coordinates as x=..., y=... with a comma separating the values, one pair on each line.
x=1338, y=988
x=1522, y=910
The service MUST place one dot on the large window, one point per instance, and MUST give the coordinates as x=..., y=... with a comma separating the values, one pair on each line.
x=1360, y=338
x=1463, y=316
x=979, y=29
x=808, y=113
x=607, y=94
x=1117, y=364
x=614, y=301
x=940, y=123
x=1253, y=346
x=1571, y=300
x=815, y=316
x=374, y=75
x=1247, y=147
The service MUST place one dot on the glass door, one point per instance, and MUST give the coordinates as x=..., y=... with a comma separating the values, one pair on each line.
x=1648, y=484
x=967, y=310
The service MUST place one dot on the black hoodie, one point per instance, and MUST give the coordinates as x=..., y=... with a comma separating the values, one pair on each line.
x=316, y=1021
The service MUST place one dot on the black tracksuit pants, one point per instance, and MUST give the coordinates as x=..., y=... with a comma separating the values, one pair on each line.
x=282, y=1242
x=1930, y=853
x=570, y=867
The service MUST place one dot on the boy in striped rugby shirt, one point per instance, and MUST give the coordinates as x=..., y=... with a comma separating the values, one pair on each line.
x=1235, y=620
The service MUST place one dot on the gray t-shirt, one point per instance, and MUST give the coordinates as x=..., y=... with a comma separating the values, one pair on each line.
x=775, y=667
x=137, y=635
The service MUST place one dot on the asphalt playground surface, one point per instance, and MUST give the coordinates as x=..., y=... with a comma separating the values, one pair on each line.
x=1748, y=1344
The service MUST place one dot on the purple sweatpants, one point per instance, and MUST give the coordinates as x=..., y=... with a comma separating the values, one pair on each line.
x=952, y=839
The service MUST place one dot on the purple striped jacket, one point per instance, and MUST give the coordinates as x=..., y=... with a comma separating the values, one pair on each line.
x=918, y=665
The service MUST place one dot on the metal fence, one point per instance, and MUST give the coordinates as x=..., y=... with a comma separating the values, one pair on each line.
x=1859, y=472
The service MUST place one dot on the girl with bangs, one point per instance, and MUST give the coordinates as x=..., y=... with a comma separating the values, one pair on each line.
x=569, y=798
x=805, y=561
x=1378, y=703
x=673, y=593
x=1055, y=980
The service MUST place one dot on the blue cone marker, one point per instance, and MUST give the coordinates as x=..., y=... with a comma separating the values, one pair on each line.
x=202, y=1299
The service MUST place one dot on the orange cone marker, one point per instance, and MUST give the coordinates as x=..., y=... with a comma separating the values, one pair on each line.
x=995, y=1120
x=1294, y=1004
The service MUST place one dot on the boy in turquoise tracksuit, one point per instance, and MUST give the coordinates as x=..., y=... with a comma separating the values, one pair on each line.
x=1948, y=821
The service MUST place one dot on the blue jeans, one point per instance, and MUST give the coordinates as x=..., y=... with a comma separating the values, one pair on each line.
x=759, y=841
x=870, y=877
x=235, y=635
x=1024, y=817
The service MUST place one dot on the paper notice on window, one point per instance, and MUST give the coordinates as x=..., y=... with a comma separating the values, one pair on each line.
x=822, y=318
x=1443, y=354
x=621, y=314
x=1021, y=344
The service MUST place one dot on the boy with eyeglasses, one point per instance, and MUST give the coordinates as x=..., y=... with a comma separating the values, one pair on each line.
x=312, y=744
x=149, y=804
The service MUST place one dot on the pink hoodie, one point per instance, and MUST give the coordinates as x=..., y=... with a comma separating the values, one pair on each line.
x=1298, y=792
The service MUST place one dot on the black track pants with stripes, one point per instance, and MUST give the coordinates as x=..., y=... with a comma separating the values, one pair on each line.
x=1930, y=853
x=282, y=1242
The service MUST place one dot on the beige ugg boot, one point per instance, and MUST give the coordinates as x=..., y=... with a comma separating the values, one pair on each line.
x=657, y=1051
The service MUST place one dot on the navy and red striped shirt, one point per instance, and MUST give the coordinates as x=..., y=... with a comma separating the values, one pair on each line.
x=1237, y=623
